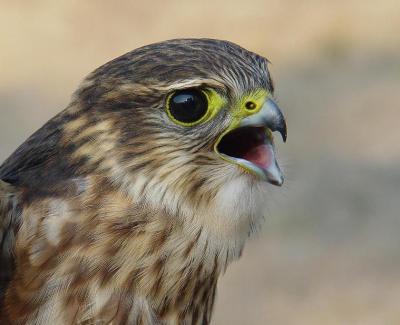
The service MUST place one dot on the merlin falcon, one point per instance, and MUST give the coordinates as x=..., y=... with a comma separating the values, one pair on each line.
x=126, y=207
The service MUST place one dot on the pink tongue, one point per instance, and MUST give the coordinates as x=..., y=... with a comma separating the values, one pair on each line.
x=260, y=156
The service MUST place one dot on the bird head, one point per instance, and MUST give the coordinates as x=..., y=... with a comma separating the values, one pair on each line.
x=184, y=123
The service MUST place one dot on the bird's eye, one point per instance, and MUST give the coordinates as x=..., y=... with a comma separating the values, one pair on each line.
x=188, y=106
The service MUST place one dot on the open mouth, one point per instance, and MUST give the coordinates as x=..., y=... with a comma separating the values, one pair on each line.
x=251, y=147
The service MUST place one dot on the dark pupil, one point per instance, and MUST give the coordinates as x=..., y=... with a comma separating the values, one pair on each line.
x=188, y=106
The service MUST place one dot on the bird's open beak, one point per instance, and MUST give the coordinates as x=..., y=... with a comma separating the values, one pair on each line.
x=249, y=143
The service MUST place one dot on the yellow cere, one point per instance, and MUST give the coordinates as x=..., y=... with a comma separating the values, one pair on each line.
x=240, y=111
x=250, y=103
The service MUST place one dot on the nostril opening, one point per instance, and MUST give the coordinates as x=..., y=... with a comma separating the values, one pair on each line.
x=250, y=105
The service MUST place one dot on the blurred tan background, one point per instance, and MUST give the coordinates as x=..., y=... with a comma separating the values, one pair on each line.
x=330, y=245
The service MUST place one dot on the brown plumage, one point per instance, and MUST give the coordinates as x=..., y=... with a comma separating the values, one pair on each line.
x=127, y=206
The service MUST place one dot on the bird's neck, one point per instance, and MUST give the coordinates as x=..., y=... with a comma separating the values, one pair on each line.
x=168, y=274
x=168, y=266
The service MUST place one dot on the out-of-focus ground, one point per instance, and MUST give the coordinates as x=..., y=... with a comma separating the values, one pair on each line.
x=329, y=249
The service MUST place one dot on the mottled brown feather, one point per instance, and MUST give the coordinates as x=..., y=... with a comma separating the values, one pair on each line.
x=109, y=212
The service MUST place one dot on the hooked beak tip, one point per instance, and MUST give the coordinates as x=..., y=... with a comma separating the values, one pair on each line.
x=283, y=131
x=271, y=116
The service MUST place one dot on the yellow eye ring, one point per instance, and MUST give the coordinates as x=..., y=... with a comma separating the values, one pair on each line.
x=188, y=107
